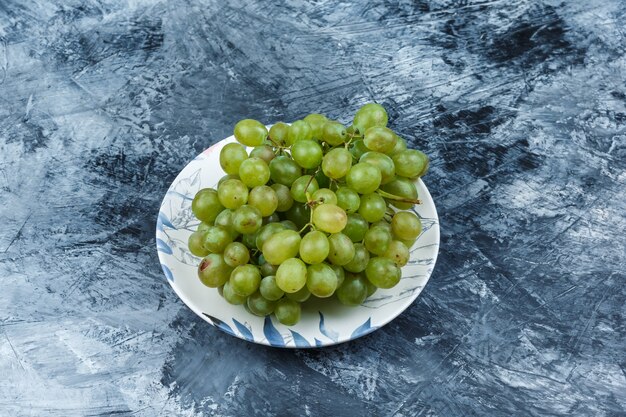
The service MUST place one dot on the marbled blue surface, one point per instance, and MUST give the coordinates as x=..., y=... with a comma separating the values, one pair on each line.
x=521, y=106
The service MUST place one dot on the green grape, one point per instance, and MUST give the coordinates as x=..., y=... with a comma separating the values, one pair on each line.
x=206, y=205
x=303, y=185
x=213, y=271
x=245, y=279
x=408, y=243
x=254, y=172
x=231, y=296
x=267, y=269
x=371, y=288
x=232, y=194
x=195, y=243
x=360, y=259
x=383, y=162
x=398, y=253
x=281, y=246
x=247, y=219
x=300, y=296
x=284, y=170
x=336, y=163
x=266, y=231
x=299, y=214
x=289, y=225
x=371, y=114
x=228, y=177
x=225, y=220
x=287, y=311
x=341, y=249
x=264, y=198
x=406, y=225
x=353, y=290
x=322, y=180
x=291, y=275
x=231, y=156
x=373, y=207
x=400, y=146
x=410, y=163
x=364, y=178
x=334, y=133
x=216, y=239
x=324, y=195
x=259, y=305
x=265, y=152
x=356, y=227
x=377, y=240
x=348, y=199
x=278, y=133
x=316, y=121
x=307, y=153
x=272, y=218
x=382, y=224
x=401, y=187
x=358, y=148
x=203, y=226
x=380, y=139
x=321, y=280
x=314, y=247
x=283, y=194
x=249, y=240
x=236, y=254
x=269, y=289
x=250, y=132
x=299, y=130
x=329, y=218
x=341, y=275
x=382, y=272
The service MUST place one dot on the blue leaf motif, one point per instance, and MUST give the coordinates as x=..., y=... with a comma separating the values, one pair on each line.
x=318, y=342
x=363, y=329
x=332, y=335
x=270, y=332
x=163, y=247
x=167, y=272
x=220, y=324
x=162, y=220
x=299, y=340
x=245, y=332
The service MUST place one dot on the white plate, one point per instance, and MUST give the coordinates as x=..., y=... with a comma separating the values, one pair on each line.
x=323, y=322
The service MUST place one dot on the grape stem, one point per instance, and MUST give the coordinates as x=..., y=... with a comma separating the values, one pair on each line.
x=398, y=198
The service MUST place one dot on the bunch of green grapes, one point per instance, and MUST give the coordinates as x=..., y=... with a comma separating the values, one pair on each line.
x=315, y=209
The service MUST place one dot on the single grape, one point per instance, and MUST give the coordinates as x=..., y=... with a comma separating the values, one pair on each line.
x=291, y=275
x=410, y=163
x=231, y=157
x=269, y=289
x=341, y=275
x=250, y=132
x=400, y=146
x=340, y=249
x=231, y=296
x=353, y=290
x=299, y=214
x=232, y=194
x=265, y=152
x=264, y=198
x=307, y=153
x=334, y=133
x=281, y=246
x=213, y=271
x=236, y=254
x=303, y=185
x=336, y=163
x=278, y=134
x=289, y=225
x=364, y=178
x=216, y=239
x=329, y=218
x=382, y=224
x=348, y=199
x=250, y=240
x=259, y=305
x=373, y=207
x=324, y=195
x=321, y=280
x=358, y=149
x=247, y=219
x=283, y=194
x=382, y=272
x=245, y=279
x=299, y=130
x=228, y=177
x=356, y=227
x=284, y=170
x=406, y=225
x=266, y=231
x=314, y=247
x=377, y=240
x=300, y=296
x=403, y=188
x=267, y=269
x=317, y=122
x=398, y=253
x=225, y=220
x=196, y=244
x=203, y=226
x=287, y=311
x=408, y=243
x=360, y=259
x=254, y=172
x=380, y=139
x=371, y=114
x=383, y=162
x=206, y=205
